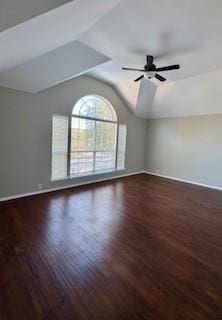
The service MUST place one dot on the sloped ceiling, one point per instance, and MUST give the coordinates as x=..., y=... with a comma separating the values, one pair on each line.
x=14, y=12
x=185, y=32
x=52, y=68
x=50, y=30
x=122, y=32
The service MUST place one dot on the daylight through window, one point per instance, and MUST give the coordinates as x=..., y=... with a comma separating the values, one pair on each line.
x=97, y=141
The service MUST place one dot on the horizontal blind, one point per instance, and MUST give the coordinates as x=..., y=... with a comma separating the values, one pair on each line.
x=121, y=150
x=59, y=146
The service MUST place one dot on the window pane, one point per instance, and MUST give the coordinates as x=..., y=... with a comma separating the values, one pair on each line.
x=86, y=106
x=81, y=162
x=121, y=146
x=59, y=146
x=104, y=110
x=105, y=145
x=106, y=136
x=93, y=106
x=105, y=160
x=93, y=146
x=83, y=132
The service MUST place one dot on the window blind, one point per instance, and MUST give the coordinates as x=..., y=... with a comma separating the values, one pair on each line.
x=59, y=147
x=121, y=150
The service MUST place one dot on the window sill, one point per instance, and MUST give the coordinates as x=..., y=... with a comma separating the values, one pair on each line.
x=88, y=174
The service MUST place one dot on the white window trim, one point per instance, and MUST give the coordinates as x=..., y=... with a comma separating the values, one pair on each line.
x=91, y=173
x=95, y=172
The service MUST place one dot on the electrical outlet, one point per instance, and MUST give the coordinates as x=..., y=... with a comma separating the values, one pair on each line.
x=39, y=186
x=157, y=170
x=128, y=170
x=164, y=172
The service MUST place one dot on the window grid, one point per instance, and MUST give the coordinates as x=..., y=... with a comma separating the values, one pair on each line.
x=96, y=107
x=93, y=144
x=102, y=154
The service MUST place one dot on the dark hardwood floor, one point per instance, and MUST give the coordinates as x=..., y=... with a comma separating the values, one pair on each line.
x=140, y=247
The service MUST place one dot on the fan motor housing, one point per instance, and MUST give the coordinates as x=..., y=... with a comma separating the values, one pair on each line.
x=151, y=68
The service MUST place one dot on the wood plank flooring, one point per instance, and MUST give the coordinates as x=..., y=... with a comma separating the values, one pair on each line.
x=139, y=247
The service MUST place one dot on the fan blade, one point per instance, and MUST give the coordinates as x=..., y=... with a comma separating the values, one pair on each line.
x=132, y=69
x=173, y=67
x=149, y=61
x=159, y=77
x=137, y=79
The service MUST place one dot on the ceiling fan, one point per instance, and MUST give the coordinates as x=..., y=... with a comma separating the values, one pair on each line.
x=150, y=69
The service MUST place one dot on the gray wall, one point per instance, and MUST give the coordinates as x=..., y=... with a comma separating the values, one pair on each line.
x=25, y=133
x=187, y=148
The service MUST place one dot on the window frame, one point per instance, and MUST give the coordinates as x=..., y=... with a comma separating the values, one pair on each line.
x=102, y=99
x=69, y=152
x=94, y=172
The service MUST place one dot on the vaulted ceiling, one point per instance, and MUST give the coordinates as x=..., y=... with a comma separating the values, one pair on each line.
x=47, y=42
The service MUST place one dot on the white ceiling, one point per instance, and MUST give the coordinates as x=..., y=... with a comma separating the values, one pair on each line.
x=14, y=12
x=50, y=30
x=52, y=68
x=185, y=32
x=198, y=95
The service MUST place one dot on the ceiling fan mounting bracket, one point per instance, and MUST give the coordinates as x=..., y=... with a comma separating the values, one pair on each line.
x=151, y=68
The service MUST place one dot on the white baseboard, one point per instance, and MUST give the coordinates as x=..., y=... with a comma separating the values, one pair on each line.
x=184, y=180
x=17, y=196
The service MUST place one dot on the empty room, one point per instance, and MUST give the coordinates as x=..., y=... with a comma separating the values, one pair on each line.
x=110, y=160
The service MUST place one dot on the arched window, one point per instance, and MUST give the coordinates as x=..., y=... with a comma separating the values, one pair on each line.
x=94, y=140
x=95, y=107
